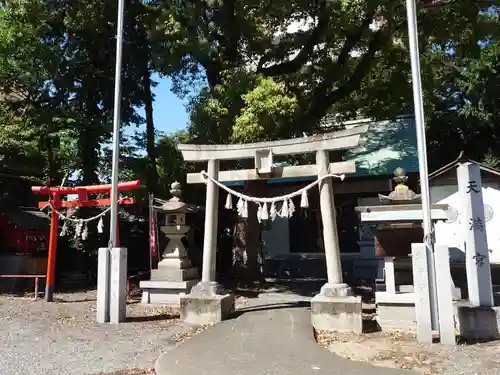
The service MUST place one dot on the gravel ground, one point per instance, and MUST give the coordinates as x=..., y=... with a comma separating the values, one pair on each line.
x=63, y=338
x=398, y=350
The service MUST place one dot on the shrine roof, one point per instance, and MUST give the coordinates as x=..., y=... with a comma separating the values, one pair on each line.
x=28, y=218
x=387, y=144
x=462, y=159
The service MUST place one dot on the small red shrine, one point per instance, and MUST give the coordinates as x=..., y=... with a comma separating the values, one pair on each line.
x=24, y=230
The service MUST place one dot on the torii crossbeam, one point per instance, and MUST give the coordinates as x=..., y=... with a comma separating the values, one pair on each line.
x=55, y=194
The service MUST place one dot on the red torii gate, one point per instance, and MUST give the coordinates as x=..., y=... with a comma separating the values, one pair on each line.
x=55, y=194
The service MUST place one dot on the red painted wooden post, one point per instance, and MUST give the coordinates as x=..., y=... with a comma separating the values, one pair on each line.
x=55, y=194
x=51, y=260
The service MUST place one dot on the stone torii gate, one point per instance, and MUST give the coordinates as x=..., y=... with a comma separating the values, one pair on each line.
x=335, y=307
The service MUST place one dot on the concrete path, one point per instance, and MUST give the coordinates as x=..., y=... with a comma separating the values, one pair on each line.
x=270, y=339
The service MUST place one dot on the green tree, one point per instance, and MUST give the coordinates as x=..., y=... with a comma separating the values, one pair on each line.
x=323, y=55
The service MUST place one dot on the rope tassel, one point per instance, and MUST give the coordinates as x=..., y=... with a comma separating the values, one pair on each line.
x=100, y=226
x=304, y=201
x=85, y=232
x=284, y=209
x=229, y=202
x=78, y=229
x=263, y=213
x=64, y=229
x=288, y=207
x=273, y=212
x=259, y=214
x=239, y=206
x=291, y=208
x=244, y=212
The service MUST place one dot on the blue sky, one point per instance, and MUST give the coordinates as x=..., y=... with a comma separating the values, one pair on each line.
x=169, y=111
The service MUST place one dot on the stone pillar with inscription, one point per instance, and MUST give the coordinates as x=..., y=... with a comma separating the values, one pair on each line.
x=475, y=241
x=118, y=285
x=422, y=293
x=112, y=285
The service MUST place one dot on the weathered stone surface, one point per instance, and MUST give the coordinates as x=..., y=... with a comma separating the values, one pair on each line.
x=118, y=285
x=208, y=288
x=396, y=312
x=343, y=314
x=456, y=291
x=396, y=317
x=477, y=260
x=165, y=292
x=175, y=263
x=478, y=322
x=202, y=310
x=103, y=275
x=336, y=290
x=421, y=259
x=174, y=274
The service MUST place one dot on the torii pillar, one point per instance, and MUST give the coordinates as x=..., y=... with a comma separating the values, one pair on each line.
x=56, y=193
x=335, y=308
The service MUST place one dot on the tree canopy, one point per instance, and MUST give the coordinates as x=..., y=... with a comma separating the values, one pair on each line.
x=250, y=70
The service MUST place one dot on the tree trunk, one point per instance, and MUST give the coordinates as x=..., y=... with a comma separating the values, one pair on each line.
x=247, y=241
x=89, y=144
x=52, y=166
x=152, y=173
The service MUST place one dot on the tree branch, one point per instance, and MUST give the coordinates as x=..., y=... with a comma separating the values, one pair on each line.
x=212, y=70
x=232, y=31
x=353, y=38
x=303, y=56
x=324, y=100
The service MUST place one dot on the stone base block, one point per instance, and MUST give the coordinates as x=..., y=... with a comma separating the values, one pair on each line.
x=455, y=291
x=203, y=310
x=174, y=262
x=174, y=274
x=165, y=292
x=342, y=313
x=396, y=312
x=478, y=323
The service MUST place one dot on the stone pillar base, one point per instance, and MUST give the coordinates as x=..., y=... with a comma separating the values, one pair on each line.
x=342, y=314
x=337, y=309
x=477, y=323
x=396, y=312
x=336, y=290
x=206, y=309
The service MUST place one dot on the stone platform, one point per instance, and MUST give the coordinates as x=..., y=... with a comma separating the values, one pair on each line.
x=168, y=293
x=174, y=278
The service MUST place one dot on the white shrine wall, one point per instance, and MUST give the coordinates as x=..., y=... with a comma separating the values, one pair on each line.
x=276, y=241
x=450, y=232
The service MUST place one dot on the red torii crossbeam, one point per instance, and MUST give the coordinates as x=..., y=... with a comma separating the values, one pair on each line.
x=55, y=194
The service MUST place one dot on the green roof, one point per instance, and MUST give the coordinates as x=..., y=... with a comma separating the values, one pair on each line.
x=387, y=145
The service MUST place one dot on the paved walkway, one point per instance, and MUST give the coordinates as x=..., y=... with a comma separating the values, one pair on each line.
x=267, y=339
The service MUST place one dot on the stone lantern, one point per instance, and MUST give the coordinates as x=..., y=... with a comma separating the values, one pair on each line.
x=175, y=276
x=175, y=229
